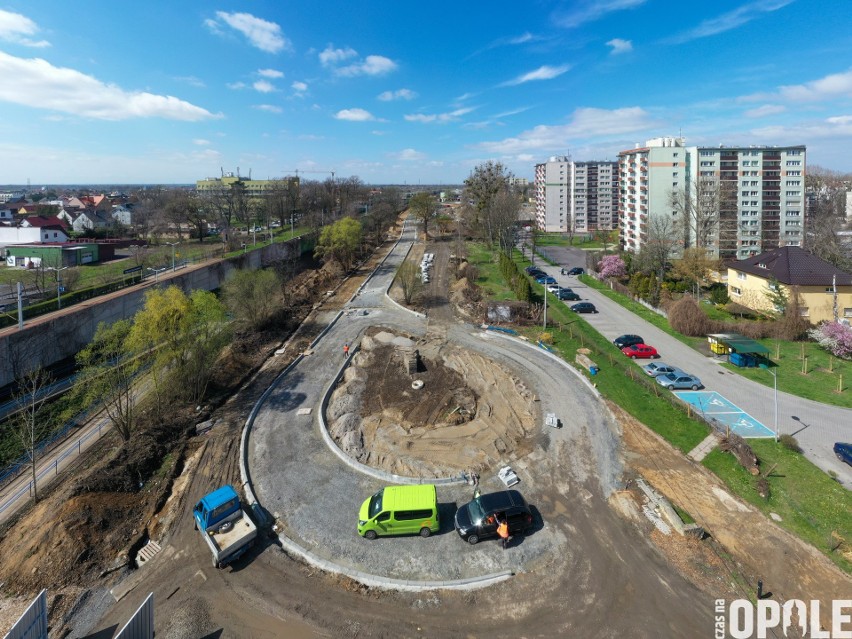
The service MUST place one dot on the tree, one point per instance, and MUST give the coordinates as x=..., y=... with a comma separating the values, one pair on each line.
x=30, y=427
x=694, y=266
x=699, y=207
x=481, y=188
x=502, y=218
x=409, y=280
x=182, y=208
x=107, y=371
x=777, y=296
x=834, y=337
x=252, y=297
x=339, y=242
x=611, y=266
x=422, y=206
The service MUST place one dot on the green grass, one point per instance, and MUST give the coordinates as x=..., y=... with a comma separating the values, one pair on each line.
x=819, y=383
x=490, y=279
x=811, y=504
x=581, y=240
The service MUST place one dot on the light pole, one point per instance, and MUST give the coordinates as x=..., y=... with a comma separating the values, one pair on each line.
x=173, y=245
x=157, y=272
x=775, y=384
x=58, y=284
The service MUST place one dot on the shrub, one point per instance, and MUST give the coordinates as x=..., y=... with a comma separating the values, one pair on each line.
x=687, y=318
x=834, y=337
x=719, y=294
x=790, y=443
x=612, y=266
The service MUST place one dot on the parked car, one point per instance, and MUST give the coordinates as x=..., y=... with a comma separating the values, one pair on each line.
x=584, y=307
x=531, y=269
x=640, y=351
x=553, y=288
x=679, y=380
x=843, y=452
x=567, y=295
x=546, y=279
x=627, y=340
x=572, y=271
x=658, y=368
x=478, y=519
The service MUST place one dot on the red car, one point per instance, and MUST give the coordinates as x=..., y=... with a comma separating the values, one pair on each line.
x=640, y=351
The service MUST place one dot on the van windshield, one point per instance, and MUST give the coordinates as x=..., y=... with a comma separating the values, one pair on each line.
x=375, y=504
x=476, y=512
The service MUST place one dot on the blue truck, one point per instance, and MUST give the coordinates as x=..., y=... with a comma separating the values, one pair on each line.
x=224, y=524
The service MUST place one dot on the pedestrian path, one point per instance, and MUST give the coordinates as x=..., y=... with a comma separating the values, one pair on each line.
x=703, y=449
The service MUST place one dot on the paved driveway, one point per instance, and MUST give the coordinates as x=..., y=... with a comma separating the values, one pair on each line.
x=816, y=426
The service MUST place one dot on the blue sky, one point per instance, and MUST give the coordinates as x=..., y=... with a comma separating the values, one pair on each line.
x=99, y=91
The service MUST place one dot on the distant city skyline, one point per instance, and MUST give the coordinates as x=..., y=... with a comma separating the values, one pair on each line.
x=106, y=93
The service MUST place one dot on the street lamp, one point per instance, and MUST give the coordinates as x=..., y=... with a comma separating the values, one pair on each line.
x=775, y=383
x=173, y=245
x=58, y=284
x=157, y=272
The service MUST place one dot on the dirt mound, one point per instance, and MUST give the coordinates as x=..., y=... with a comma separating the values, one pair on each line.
x=438, y=429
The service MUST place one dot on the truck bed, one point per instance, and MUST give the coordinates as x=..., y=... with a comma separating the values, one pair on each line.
x=242, y=532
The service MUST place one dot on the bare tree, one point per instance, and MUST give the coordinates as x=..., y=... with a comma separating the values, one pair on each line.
x=481, y=188
x=422, y=206
x=664, y=241
x=409, y=280
x=699, y=207
x=502, y=217
x=30, y=427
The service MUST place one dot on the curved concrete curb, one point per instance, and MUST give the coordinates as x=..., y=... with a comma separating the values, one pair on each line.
x=244, y=474
x=387, y=583
x=358, y=466
x=556, y=358
x=393, y=301
x=378, y=266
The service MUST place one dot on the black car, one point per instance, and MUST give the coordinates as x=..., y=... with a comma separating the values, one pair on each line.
x=584, y=307
x=627, y=340
x=478, y=519
x=567, y=295
x=843, y=452
x=577, y=270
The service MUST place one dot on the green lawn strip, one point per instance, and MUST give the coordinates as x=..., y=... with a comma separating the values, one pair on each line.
x=811, y=504
x=489, y=278
x=819, y=383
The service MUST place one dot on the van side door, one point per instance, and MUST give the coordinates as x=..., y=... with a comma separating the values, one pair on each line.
x=383, y=521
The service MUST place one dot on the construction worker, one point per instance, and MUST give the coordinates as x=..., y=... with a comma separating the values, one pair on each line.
x=503, y=531
x=345, y=351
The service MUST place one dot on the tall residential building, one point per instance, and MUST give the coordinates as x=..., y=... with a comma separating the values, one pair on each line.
x=577, y=197
x=754, y=196
x=594, y=197
x=647, y=176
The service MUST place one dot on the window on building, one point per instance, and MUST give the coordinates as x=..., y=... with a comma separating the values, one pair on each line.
x=741, y=276
x=847, y=312
x=736, y=291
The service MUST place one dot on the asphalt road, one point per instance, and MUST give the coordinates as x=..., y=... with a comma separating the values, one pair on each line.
x=579, y=539
x=816, y=426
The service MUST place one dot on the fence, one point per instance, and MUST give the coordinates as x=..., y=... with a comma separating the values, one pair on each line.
x=70, y=452
x=141, y=624
x=33, y=623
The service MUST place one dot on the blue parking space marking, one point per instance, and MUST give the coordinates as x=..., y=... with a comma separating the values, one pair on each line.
x=713, y=405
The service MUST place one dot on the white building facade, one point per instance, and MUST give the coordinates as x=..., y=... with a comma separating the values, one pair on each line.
x=553, y=194
x=576, y=197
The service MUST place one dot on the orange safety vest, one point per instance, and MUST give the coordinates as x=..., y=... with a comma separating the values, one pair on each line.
x=503, y=529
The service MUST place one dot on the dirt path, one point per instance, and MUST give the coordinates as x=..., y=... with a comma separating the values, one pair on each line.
x=789, y=568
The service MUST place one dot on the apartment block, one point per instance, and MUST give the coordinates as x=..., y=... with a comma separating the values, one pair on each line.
x=578, y=197
x=755, y=195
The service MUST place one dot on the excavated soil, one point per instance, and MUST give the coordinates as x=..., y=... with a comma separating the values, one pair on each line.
x=467, y=413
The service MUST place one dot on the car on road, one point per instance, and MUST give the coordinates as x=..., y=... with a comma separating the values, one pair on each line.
x=640, y=351
x=584, y=307
x=843, y=452
x=477, y=519
x=679, y=380
x=566, y=294
x=658, y=368
x=627, y=340
x=577, y=270
x=546, y=279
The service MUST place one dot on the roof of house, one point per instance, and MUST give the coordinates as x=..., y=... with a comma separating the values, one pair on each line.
x=40, y=221
x=794, y=266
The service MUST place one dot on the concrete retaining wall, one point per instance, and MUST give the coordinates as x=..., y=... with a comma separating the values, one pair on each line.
x=50, y=339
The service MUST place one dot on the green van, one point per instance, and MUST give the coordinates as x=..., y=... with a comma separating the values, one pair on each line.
x=400, y=510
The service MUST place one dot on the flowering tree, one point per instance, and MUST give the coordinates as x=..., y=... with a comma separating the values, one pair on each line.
x=834, y=337
x=612, y=266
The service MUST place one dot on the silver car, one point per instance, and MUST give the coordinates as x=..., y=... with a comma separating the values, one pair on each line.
x=679, y=380
x=659, y=368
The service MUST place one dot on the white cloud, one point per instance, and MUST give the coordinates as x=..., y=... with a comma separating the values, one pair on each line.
x=192, y=81
x=270, y=73
x=408, y=155
x=591, y=10
x=331, y=56
x=17, y=28
x=399, y=94
x=354, y=115
x=269, y=108
x=730, y=20
x=545, y=72
x=260, y=33
x=262, y=86
x=525, y=157
x=620, y=46
x=440, y=118
x=38, y=84
x=521, y=39
x=833, y=128
x=371, y=65
x=766, y=109
x=201, y=142
x=299, y=87
x=236, y=86
x=585, y=123
x=835, y=85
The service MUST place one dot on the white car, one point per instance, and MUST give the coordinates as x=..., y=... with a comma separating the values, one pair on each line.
x=553, y=288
